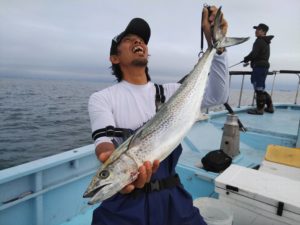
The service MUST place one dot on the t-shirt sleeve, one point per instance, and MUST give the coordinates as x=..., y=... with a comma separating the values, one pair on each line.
x=217, y=88
x=100, y=112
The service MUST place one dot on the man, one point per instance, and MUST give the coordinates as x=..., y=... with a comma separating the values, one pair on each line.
x=124, y=107
x=259, y=57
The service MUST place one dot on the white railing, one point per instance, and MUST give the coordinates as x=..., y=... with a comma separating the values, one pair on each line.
x=273, y=73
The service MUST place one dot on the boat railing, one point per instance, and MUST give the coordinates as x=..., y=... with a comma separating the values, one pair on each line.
x=273, y=73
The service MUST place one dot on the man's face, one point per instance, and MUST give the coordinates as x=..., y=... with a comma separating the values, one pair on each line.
x=132, y=50
x=259, y=32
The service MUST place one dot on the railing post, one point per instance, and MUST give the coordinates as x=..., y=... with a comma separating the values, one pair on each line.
x=241, y=91
x=297, y=88
x=254, y=95
x=298, y=137
x=273, y=82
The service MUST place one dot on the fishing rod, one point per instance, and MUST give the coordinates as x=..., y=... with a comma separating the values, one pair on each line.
x=236, y=64
x=244, y=65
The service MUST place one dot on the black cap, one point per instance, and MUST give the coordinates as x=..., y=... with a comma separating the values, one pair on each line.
x=262, y=26
x=136, y=26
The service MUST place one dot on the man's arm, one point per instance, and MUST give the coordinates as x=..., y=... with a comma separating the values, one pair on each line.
x=255, y=51
x=217, y=88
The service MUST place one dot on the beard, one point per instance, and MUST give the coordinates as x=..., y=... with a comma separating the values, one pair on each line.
x=140, y=62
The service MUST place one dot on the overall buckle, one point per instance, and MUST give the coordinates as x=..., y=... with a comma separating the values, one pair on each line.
x=154, y=186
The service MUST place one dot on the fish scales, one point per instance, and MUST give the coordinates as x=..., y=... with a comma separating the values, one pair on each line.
x=161, y=135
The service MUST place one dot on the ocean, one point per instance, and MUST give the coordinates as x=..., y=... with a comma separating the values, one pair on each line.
x=40, y=117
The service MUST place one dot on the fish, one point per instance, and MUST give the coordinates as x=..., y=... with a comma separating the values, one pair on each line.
x=163, y=132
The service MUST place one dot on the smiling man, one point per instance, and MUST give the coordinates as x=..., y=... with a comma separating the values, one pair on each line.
x=157, y=197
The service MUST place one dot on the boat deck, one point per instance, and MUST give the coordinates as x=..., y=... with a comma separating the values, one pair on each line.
x=49, y=191
x=277, y=128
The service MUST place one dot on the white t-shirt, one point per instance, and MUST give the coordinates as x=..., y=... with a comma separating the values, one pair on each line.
x=125, y=105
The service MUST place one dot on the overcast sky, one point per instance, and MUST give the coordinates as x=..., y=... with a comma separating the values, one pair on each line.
x=71, y=38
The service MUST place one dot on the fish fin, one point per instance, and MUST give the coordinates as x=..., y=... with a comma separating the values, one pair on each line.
x=231, y=41
x=116, y=154
x=137, y=137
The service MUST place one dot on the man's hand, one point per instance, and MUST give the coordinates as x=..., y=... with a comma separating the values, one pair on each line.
x=104, y=150
x=145, y=173
x=208, y=17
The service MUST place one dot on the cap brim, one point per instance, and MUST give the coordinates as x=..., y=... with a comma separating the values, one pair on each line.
x=255, y=27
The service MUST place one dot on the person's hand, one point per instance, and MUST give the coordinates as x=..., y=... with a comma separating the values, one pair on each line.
x=246, y=59
x=104, y=150
x=145, y=173
x=208, y=17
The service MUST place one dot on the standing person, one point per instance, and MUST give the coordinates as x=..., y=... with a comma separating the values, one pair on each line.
x=157, y=196
x=259, y=57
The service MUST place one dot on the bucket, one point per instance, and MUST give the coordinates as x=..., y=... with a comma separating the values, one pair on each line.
x=214, y=211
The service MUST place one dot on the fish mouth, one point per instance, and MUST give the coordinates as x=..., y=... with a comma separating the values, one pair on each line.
x=91, y=193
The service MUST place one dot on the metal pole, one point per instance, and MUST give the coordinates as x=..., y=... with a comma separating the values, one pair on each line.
x=273, y=82
x=241, y=91
x=297, y=88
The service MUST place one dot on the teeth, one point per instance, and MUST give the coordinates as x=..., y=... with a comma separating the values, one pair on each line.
x=138, y=49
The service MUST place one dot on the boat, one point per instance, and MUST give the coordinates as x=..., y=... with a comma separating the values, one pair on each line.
x=49, y=191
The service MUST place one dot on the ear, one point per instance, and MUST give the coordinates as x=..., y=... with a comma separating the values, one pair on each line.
x=114, y=59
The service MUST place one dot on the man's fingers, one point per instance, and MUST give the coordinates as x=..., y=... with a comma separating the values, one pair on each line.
x=155, y=166
x=148, y=167
x=103, y=156
x=127, y=189
x=213, y=11
x=142, y=178
x=145, y=173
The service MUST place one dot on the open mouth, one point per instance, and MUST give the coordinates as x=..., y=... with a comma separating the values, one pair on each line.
x=138, y=49
x=93, y=192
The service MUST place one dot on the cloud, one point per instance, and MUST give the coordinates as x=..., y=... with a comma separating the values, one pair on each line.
x=74, y=37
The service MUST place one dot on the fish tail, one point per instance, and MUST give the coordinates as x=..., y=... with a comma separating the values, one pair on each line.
x=220, y=41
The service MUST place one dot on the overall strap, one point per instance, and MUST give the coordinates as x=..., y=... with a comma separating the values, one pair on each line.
x=160, y=97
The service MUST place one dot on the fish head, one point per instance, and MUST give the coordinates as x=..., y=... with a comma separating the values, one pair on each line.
x=111, y=179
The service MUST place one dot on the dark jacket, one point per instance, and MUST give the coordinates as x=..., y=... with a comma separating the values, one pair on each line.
x=260, y=54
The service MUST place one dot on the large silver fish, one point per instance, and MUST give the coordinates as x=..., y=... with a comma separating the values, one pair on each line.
x=163, y=133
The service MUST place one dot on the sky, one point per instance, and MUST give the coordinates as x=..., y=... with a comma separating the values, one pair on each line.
x=71, y=38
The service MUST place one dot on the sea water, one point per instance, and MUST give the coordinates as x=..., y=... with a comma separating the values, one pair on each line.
x=41, y=117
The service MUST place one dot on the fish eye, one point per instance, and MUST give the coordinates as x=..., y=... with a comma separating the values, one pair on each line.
x=103, y=174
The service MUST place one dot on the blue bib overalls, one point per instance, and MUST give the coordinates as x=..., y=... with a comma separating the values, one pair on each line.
x=173, y=206
x=169, y=206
